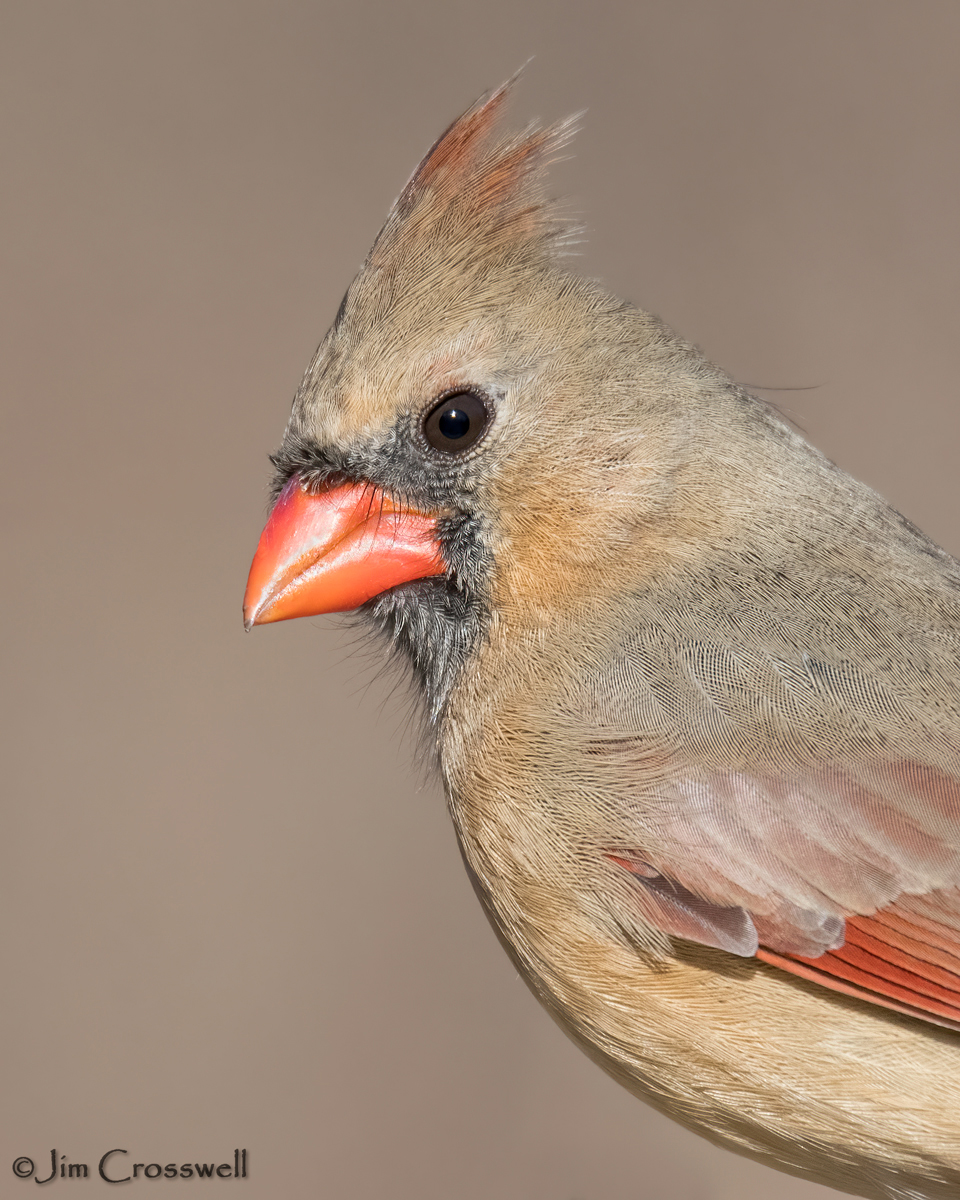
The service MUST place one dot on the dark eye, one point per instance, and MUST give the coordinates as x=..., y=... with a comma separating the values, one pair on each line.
x=456, y=422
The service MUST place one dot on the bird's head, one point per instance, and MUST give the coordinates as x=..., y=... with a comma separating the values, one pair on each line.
x=481, y=431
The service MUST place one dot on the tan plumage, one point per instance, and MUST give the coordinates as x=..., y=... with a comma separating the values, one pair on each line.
x=693, y=689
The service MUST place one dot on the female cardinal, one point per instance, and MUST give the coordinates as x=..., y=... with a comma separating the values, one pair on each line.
x=694, y=690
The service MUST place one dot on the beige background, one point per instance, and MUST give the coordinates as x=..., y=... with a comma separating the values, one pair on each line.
x=233, y=912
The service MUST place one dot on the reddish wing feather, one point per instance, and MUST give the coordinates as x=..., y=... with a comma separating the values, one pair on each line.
x=678, y=912
x=897, y=958
x=895, y=826
x=902, y=957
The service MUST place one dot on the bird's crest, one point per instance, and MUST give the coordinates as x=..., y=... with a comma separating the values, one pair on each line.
x=475, y=187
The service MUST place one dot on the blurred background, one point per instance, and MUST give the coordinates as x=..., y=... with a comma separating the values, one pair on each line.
x=233, y=912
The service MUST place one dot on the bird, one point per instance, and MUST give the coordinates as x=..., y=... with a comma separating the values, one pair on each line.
x=692, y=690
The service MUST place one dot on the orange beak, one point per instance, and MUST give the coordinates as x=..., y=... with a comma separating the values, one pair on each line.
x=331, y=551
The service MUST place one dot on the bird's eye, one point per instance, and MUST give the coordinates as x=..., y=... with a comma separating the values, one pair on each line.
x=456, y=422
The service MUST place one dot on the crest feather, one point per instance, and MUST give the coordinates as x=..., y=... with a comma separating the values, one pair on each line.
x=475, y=186
x=458, y=149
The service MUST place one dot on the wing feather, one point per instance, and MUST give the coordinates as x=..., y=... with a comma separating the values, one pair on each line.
x=890, y=960
x=804, y=775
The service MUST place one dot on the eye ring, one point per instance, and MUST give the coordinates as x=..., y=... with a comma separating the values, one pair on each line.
x=457, y=421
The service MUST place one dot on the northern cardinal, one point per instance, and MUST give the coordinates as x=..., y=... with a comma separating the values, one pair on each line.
x=693, y=689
